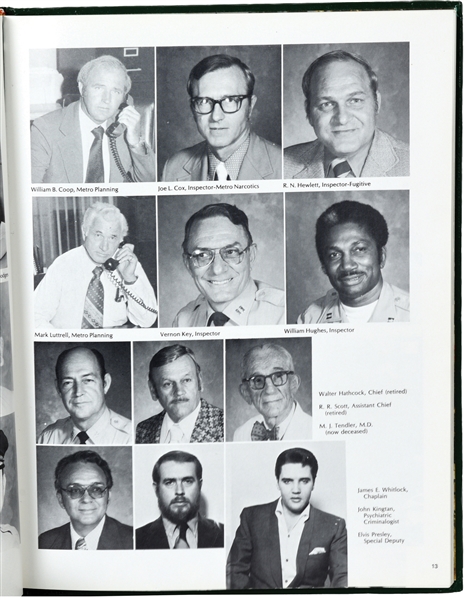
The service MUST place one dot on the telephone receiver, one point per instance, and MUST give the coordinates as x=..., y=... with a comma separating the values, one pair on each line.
x=112, y=263
x=116, y=128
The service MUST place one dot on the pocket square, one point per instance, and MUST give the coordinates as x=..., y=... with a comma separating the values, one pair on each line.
x=318, y=551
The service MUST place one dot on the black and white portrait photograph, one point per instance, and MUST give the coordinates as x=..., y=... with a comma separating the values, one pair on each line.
x=179, y=498
x=85, y=498
x=94, y=262
x=221, y=260
x=286, y=516
x=348, y=257
x=268, y=389
x=3, y=248
x=346, y=110
x=92, y=115
x=179, y=391
x=83, y=393
x=219, y=113
x=6, y=362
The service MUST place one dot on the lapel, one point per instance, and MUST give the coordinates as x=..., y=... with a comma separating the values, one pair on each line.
x=304, y=548
x=257, y=163
x=196, y=167
x=70, y=146
x=158, y=534
x=272, y=546
x=198, y=433
x=158, y=427
x=62, y=540
x=381, y=157
x=313, y=162
x=108, y=536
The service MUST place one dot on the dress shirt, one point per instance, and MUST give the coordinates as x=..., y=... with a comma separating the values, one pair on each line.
x=59, y=298
x=86, y=126
x=297, y=426
x=359, y=314
x=92, y=539
x=110, y=429
x=186, y=425
x=289, y=541
x=232, y=164
x=356, y=162
x=282, y=427
x=172, y=531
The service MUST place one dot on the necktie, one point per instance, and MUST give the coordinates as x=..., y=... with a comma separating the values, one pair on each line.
x=260, y=433
x=218, y=318
x=176, y=434
x=341, y=168
x=81, y=544
x=93, y=314
x=181, y=542
x=221, y=173
x=83, y=437
x=95, y=170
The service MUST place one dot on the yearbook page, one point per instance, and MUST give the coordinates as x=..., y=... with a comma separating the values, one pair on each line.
x=233, y=292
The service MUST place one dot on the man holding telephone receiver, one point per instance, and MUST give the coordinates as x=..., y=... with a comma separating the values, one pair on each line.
x=96, y=139
x=100, y=284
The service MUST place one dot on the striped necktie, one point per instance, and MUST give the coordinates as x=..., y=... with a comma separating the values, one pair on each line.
x=93, y=315
x=81, y=544
x=341, y=168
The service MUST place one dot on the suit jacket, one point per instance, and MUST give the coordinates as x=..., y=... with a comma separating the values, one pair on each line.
x=387, y=157
x=57, y=157
x=114, y=536
x=153, y=537
x=254, y=560
x=209, y=426
x=263, y=160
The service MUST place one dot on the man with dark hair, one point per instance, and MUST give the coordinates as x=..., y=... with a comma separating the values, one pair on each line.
x=351, y=240
x=219, y=252
x=175, y=382
x=222, y=100
x=83, y=483
x=82, y=383
x=342, y=102
x=289, y=543
x=177, y=479
x=78, y=143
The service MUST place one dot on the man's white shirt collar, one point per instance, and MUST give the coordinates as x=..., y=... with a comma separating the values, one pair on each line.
x=186, y=425
x=92, y=539
x=172, y=532
x=239, y=309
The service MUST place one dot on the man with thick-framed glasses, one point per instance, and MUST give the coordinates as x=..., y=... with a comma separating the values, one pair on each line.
x=269, y=383
x=222, y=101
x=219, y=252
x=83, y=483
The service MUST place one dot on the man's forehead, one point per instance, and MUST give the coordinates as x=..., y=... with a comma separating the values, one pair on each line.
x=102, y=71
x=268, y=360
x=172, y=468
x=79, y=360
x=347, y=232
x=293, y=470
x=226, y=81
x=109, y=223
x=216, y=230
x=339, y=71
x=83, y=472
x=182, y=364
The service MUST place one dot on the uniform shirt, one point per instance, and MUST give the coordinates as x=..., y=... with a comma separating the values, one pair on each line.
x=172, y=531
x=186, y=425
x=110, y=429
x=297, y=426
x=92, y=539
x=258, y=304
x=86, y=126
x=289, y=541
x=59, y=298
x=393, y=305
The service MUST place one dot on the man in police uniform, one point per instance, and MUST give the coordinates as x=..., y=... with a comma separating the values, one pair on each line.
x=82, y=383
x=351, y=240
x=218, y=252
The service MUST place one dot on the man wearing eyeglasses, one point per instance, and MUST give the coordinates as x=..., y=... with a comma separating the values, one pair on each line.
x=219, y=252
x=222, y=101
x=269, y=383
x=83, y=483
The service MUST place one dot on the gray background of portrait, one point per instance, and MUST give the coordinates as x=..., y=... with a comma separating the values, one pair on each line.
x=176, y=128
x=211, y=457
x=266, y=223
x=10, y=511
x=305, y=279
x=256, y=481
x=237, y=410
x=50, y=513
x=49, y=405
x=390, y=62
x=209, y=355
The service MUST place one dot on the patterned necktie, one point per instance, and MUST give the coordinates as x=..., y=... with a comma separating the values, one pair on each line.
x=81, y=544
x=83, y=437
x=93, y=315
x=181, y=542
x=260, y=433
x=95, y=170
x=221, y=173
x=341, y=168
x=218, y=318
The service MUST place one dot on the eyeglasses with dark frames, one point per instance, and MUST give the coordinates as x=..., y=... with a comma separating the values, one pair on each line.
x=278, y=378
x=75, y=491
x=203, y=257
x=228, y=104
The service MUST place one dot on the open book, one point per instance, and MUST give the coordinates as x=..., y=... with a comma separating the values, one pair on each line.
x=226, y=295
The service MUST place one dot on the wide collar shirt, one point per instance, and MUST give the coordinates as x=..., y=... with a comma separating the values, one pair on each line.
x=172, y=531
x=186, y=425
x=92, y=539
x=233, y=164
x=289, y=541
x=356, y=162
x=86, y=125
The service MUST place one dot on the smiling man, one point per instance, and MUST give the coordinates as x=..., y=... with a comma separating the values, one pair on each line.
x=289, y=543
x=73, y=144
x=351, y=240
x=175, y=383
x=222, y=101
x=269, y=383
x=219, y=252
x=83, y=483
x=342, y=102
x=82, y=383
x=79, y=291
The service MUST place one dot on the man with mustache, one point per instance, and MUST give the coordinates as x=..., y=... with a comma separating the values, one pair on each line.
x=175, y=382
x=351, y=240
x=177, y=479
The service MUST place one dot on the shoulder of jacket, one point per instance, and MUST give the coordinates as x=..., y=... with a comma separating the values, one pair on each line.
x=186, y=153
